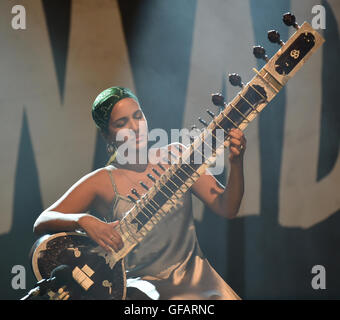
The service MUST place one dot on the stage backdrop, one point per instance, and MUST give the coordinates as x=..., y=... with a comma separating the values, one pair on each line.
x=174, y=54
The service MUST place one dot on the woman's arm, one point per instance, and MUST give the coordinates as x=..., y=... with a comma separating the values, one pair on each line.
x=65, y=213
x=225, y=201
x=69, y=213
x=54, y=221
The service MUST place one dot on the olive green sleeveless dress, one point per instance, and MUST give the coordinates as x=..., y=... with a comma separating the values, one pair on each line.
x=170, y=258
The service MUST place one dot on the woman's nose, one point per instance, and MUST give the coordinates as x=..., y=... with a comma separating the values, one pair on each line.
x=134, y=125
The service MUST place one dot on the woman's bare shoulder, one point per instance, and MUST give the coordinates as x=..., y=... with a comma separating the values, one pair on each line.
x=93, y=177
x=101, y=178
x=79, y=197
x=94, y=182
x=100, y=173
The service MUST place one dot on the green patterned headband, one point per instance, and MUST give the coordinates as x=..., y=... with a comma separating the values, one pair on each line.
x=105, y=101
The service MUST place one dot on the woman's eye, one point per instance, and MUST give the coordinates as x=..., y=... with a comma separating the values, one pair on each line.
x=139, y=115
x=120, y=124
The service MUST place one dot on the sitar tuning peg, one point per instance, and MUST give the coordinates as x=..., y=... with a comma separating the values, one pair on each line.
x=143, y=185
x=290, y=20
x=193, y=134
x=151, y=177
x=235, y=80
x=202, y=121
x=161, y=166
x=156, y=172
x=134, y=192
x=132, y=199
x=195, y=129
x=260, y=53
x=211, y=114
x=274, y=37
x=217, y=99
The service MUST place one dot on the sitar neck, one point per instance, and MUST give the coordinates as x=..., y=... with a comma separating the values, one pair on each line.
x=253, y=97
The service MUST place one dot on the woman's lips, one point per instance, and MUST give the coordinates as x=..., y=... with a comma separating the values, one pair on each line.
x=139, y=137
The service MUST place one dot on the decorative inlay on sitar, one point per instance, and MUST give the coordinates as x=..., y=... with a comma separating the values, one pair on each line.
x=101, y=275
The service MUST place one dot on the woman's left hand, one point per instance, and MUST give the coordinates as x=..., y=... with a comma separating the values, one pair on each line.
x=237, y=145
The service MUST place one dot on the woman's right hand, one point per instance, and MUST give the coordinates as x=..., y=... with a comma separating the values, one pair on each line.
x=101, y=232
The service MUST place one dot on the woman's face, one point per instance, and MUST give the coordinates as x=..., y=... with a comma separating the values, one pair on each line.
x=128, y=120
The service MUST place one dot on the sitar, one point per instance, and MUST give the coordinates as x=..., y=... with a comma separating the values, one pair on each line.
x=99, y=274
